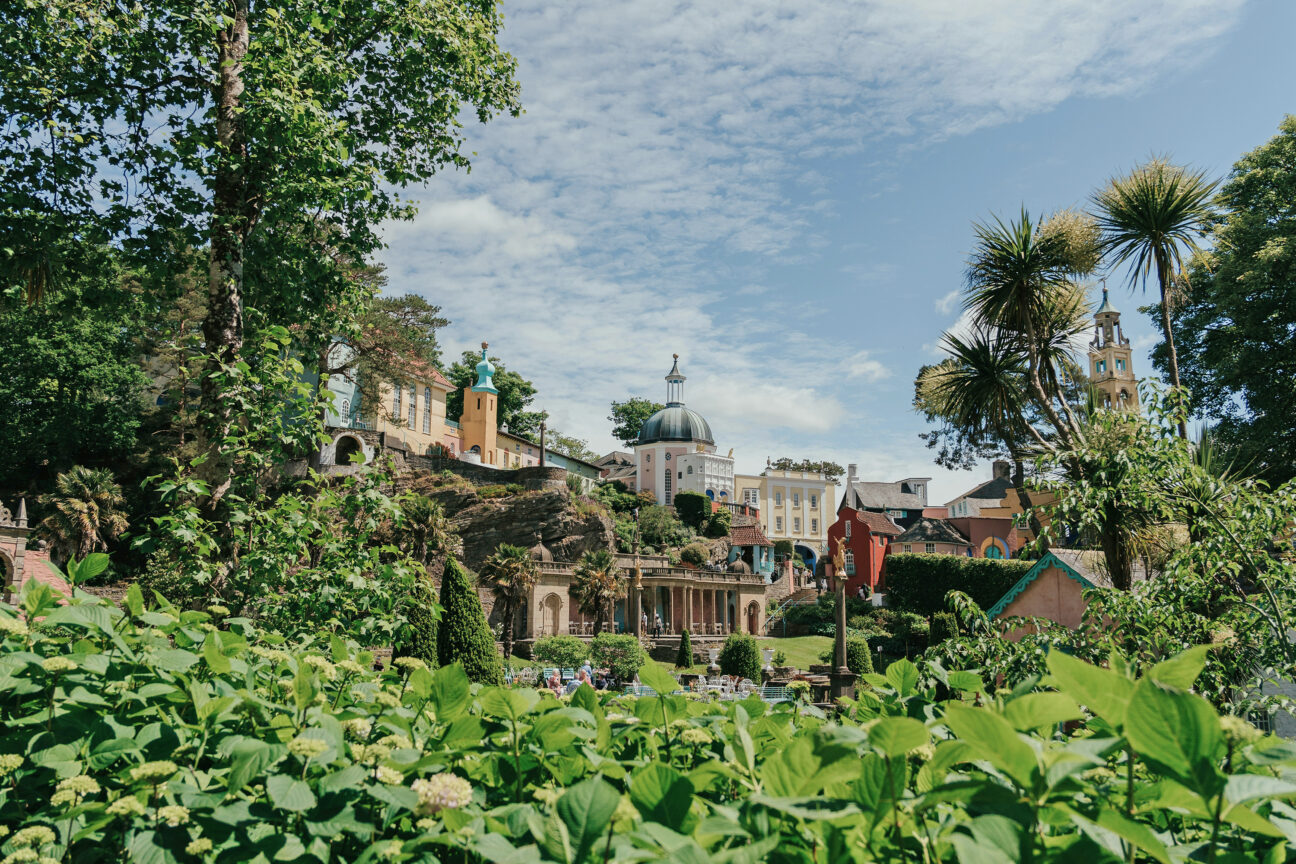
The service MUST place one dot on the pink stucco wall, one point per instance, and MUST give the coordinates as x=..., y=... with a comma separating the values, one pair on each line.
x=1054, y=596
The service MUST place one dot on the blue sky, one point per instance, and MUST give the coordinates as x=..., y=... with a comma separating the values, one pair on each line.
x=781, y=192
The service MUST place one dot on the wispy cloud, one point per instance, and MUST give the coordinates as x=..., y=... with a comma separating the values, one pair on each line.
x=945, y=305
x=672, y=155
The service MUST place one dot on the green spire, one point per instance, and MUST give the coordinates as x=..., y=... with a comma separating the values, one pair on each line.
x=485, y=369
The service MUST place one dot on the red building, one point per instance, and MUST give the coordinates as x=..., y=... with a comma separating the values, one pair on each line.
x=867, y=536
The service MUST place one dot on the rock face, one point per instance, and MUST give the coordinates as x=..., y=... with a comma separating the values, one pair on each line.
x=523, y=519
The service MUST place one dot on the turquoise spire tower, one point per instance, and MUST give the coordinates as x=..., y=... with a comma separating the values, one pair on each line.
x=485, y=369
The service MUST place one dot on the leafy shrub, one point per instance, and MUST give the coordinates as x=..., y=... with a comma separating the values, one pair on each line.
x=919, y=583
x=783, y=548
x=619, y=652
x=301, y=745
x=660, y=528
x=695, y=554
x=421, y=637
x=943, y=626
x=464, y=637
x=574, y=484
x=780, y=658
x=684, y=658
x=497, y=490
x=740, y=656
x=719, y=524
x=561, y=650
x=693, y=509
x=859, y=659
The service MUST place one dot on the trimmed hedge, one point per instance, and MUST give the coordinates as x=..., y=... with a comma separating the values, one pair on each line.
x=943, y=626
x=858, y=657
x=561, y=650
x=919, y=583
x=684, y=658
x=464, y=636
x=693, y=509
x=740, y=656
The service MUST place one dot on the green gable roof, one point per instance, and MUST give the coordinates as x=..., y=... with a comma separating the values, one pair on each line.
x=1049, y=560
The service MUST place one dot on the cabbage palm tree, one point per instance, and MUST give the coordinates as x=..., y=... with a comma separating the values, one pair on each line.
x=599, y=584
x=1017, y=278
x=1150, y=218
x=86, y=512
x=424, y=528
x=510, y=573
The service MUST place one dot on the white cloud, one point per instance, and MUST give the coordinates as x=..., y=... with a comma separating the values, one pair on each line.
x=945, y=305
x=664, y=166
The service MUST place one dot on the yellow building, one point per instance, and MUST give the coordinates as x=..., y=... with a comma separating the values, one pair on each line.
x=794, y=505
x=1111, y=369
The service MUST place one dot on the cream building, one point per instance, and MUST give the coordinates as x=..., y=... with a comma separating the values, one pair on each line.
x=794, y=505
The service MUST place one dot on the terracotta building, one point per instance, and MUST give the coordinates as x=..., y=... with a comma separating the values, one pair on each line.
x=867, y=537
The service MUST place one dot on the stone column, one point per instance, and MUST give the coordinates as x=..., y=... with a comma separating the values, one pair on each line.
x=843, y=680
x=688, y=608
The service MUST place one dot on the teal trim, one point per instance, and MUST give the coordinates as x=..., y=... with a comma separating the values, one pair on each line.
x=1049, y=560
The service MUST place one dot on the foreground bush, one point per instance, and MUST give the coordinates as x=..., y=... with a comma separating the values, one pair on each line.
x=740, y=656
x=563, y=651
x=152, y=734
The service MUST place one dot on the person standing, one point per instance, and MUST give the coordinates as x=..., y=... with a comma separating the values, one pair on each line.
x=643, y=623
x=656, y=624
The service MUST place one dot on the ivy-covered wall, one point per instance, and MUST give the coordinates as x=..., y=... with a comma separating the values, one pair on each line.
x=919, y=583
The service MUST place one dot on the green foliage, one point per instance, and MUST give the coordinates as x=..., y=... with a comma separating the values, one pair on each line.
x=1236, y=324
x=740, y=656
x=918, y=583
x=301, y=744
x=780, y=658
x=684, y=657
x=628, y=417
x=783, y=548
x=830, y=469
x=510, y=573
x=561, y=650
x=659, y=527
x=70, y=369
x=419, y=639
x=620, y=653
x=569, y=445
x=463, y=637
x=500, y=490
x=943, y=626
x=695, y=554
x=598, y=585
x=719, y=524
x=616, y=498
x=693, y=509
x=85, y=512
x=515, y=395
x=424, y=529
x=859, y=659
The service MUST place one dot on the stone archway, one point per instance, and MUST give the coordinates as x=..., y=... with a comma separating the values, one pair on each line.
x=550, y=609
x=346, y=447
x=753, y=618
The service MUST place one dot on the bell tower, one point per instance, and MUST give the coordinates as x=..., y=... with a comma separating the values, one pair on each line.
x=479, y=421
x=1110, y=368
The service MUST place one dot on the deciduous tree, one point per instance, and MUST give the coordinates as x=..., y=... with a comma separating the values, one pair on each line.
x=628, y=417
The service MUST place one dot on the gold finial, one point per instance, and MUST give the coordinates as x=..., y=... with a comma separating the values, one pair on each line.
x=485, y=345
x=674, y=356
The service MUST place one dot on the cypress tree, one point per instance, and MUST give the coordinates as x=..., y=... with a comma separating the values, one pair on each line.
x=464, y=636
x=684, y=658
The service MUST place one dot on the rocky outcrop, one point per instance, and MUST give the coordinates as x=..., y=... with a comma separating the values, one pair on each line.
x=522, y=518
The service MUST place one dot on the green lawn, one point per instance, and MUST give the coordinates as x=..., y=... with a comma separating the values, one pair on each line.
x=801, y=652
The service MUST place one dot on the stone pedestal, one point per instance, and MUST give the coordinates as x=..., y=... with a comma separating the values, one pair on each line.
x=843, y=683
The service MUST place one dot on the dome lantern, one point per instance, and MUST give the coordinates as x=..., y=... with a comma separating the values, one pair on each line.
x=485, y=369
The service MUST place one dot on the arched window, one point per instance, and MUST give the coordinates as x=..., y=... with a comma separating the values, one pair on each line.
x=690, y=469
x=667, y=487
x=427, y=410
x=346, y=412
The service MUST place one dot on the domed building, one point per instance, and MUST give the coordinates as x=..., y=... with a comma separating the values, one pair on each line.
x=676, y=451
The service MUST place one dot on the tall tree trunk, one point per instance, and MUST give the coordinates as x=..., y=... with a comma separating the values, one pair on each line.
x=223, y=326
x=1164, y=276
x=1119, y=564
x=507, y=634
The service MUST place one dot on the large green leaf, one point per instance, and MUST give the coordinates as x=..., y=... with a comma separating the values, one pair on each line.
x=1181, y=671
x=1178, y=734
x=662, y=794
x=896, y=736
x=1100, y=690
x=510, y=703
x=450, y=693
x=1041, y=709
x=994, y=740
x=902, y=676
x=216, y=659
x=174, y=659
x=289, y=793
x=586, y=810
x=658, y=679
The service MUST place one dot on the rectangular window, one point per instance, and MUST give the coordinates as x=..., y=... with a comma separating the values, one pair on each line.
x=814, y=526
x=778, y=499
x=908, y=548
x=667, y=488
x=427, y=410
x=413, y=406
x=848, y=524
x=850, y=563
x=814, y=502
x=778, y=523
x=796, y=499
x=796, y=525
x=1120, y=365
x=396, y=400
x=751, y=496
x=929, y=548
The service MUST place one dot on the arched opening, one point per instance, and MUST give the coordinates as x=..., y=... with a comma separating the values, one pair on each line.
x=753, y=618
x=807, y=555
x=710, y=493
x=348, y=447
x=549, y=610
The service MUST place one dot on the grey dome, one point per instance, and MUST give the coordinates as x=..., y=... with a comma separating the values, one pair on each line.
x=675, y=423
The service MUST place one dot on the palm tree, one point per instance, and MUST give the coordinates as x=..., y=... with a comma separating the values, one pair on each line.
x=599, y=584
x=1151, y=217
x=510, y=573
x=86, y=512
x=423, y=528
x=1020, y=274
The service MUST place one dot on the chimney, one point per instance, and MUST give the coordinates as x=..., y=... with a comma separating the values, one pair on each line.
x=1001, y=469
x=850, y=473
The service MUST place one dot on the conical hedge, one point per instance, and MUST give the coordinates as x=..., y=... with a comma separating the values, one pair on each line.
x=463, y=635
x=684, y=658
